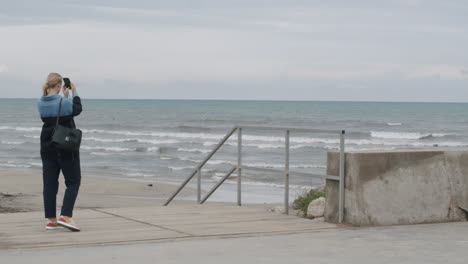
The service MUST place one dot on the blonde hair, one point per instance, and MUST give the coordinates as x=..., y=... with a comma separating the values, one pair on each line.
x=52, y=80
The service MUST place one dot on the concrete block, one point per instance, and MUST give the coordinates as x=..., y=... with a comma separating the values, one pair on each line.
x=400, y=187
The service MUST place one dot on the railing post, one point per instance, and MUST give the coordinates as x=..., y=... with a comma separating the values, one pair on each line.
x=342, y=178
x=286, y=175
x=199, y=185
x=239, y=166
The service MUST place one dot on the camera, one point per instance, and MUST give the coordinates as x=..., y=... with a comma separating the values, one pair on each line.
x=67, y=82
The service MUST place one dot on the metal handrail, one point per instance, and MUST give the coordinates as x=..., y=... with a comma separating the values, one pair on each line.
x=218, y=184
x=200, y=165
x=287, y=172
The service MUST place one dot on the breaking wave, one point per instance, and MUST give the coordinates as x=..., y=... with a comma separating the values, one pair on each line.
x=20, y=128
x=407, y=135
x=136, y=140
x=113, y=149
x=21, y=165
x=394, y=124
x=13, y=142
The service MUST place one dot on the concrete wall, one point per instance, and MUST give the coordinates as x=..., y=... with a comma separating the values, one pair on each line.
x=400, y=187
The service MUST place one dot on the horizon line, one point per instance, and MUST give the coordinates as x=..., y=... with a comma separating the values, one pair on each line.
x=251, y=100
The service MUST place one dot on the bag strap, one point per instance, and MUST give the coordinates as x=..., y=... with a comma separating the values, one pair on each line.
x=58, y=113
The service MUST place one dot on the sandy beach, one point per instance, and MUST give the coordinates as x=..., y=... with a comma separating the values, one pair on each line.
x=21, y=191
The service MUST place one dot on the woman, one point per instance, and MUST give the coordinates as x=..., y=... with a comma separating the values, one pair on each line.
x=55, y=160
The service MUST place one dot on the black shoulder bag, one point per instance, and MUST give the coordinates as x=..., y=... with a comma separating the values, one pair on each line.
x=65, y=138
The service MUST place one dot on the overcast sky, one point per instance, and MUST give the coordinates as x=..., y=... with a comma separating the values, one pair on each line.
x=393, y=50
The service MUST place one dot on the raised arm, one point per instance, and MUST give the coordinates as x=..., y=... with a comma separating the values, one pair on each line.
x=77, y=107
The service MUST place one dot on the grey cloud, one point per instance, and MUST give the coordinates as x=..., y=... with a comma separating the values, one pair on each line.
x=254, y=47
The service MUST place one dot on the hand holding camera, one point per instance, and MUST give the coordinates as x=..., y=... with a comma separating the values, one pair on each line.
x=67, y=86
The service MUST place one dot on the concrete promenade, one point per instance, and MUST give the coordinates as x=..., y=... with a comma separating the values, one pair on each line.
x=147, y=224
x=223, y=234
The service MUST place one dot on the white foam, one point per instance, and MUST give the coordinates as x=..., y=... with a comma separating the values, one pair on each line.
x=36, y=164
x=442, y=134
x=138, y=174
x=210, y=144
x=107, y=140
x=309, y=166
x=394, y=139
x=139, y=140
x=153, y=149
x=194, y=150
x=210, y=162
x=189, y=159
x=198, y=137
x=218, y=176
x=274, y=185
x=405, y=135
x=114, y=149
x=100, y=153
x=30, y=136
x=379, y=138
x=260, y=164
x=179, y=168
x=14, y=164
x=20, y=128
x=361, y=148
x=261, y=142
x=157, y=134
x=281, y=166
x=13, y=142
x=218, y=162
x=158, y=142
x=263, y=146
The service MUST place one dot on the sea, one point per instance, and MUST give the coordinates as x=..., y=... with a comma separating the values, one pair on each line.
x=164, y=140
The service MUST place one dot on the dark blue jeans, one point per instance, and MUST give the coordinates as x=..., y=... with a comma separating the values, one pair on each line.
x=51, y=167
